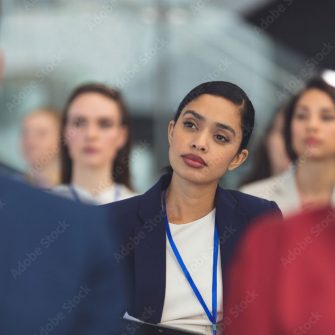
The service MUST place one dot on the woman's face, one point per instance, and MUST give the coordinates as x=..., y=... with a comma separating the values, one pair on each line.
x=313, y=125
x=94, y=133
x=40, y=139
x=205, y=140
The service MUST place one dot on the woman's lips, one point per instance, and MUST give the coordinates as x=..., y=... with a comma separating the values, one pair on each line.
x=311, y=141
x=194, y=161
x=90, y=151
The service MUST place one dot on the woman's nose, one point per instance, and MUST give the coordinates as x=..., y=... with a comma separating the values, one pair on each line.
x=91, y=131
x=313, y=122
x=200, y=143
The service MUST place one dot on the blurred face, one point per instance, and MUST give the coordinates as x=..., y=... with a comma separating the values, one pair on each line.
x=276, y=146
x=94, y=133
x=205, y=140
x=40, y=139
x=313, y=125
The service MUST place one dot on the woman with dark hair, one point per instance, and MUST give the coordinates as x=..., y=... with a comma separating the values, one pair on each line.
x=95, y=146
x=270, y=157
x=309, y=134
x=179, y=236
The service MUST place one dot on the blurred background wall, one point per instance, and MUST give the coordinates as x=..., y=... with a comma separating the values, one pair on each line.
x=155, y=51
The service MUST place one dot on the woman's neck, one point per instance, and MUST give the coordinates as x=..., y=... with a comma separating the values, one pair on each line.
x=316, y=180
x=92, y=179
x=187, y=202
x=46, y=176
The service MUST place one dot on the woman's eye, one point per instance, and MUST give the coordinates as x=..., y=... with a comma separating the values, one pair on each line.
x=222, y=138
x=78, y=123
x=328, y=117
x=189, y=124
x=300, y=116
x=106, y=124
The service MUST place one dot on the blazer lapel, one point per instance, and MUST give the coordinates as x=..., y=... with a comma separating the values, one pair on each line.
x=150, y=256
x=230, y=222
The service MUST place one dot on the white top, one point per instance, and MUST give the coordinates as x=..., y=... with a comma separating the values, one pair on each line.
x=114, y=193
x=195, y=243
x=282, y=189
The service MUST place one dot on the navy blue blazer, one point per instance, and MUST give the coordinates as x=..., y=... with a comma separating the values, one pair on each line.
x=56, y=270
x=140, y=225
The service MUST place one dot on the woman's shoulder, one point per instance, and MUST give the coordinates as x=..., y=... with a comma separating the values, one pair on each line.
x=126, y=192
x=267, y=188
x=260, y=188
x=62, y=190
x=127, y=206
x=254, y=205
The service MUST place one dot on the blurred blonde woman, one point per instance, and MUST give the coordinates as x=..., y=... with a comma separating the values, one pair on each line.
x=40, y=146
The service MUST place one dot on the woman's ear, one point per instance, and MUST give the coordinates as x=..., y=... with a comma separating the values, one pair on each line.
x=170, y=130
x=238, y=160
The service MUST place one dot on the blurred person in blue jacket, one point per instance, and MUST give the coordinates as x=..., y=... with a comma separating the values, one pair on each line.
x=57, y=274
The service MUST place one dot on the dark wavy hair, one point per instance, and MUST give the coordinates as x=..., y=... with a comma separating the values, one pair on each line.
x=315, y=83
x=231, y=92
x=120, y=171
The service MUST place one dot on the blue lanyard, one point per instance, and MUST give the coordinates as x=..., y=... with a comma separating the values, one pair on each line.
x=76, y=195
x=211, y=316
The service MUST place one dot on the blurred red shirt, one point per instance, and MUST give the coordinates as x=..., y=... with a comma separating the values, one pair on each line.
x=283, y=278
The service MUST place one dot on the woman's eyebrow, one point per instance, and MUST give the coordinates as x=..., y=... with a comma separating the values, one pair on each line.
x=77, y=117
x=217, y=124
x=225, y=127
x=327, y=109
x=302, y=106
x=195, y=114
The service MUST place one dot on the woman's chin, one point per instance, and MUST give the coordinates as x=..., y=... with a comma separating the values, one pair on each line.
x=195, y=176
x=92, y=162
x=316, y=155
